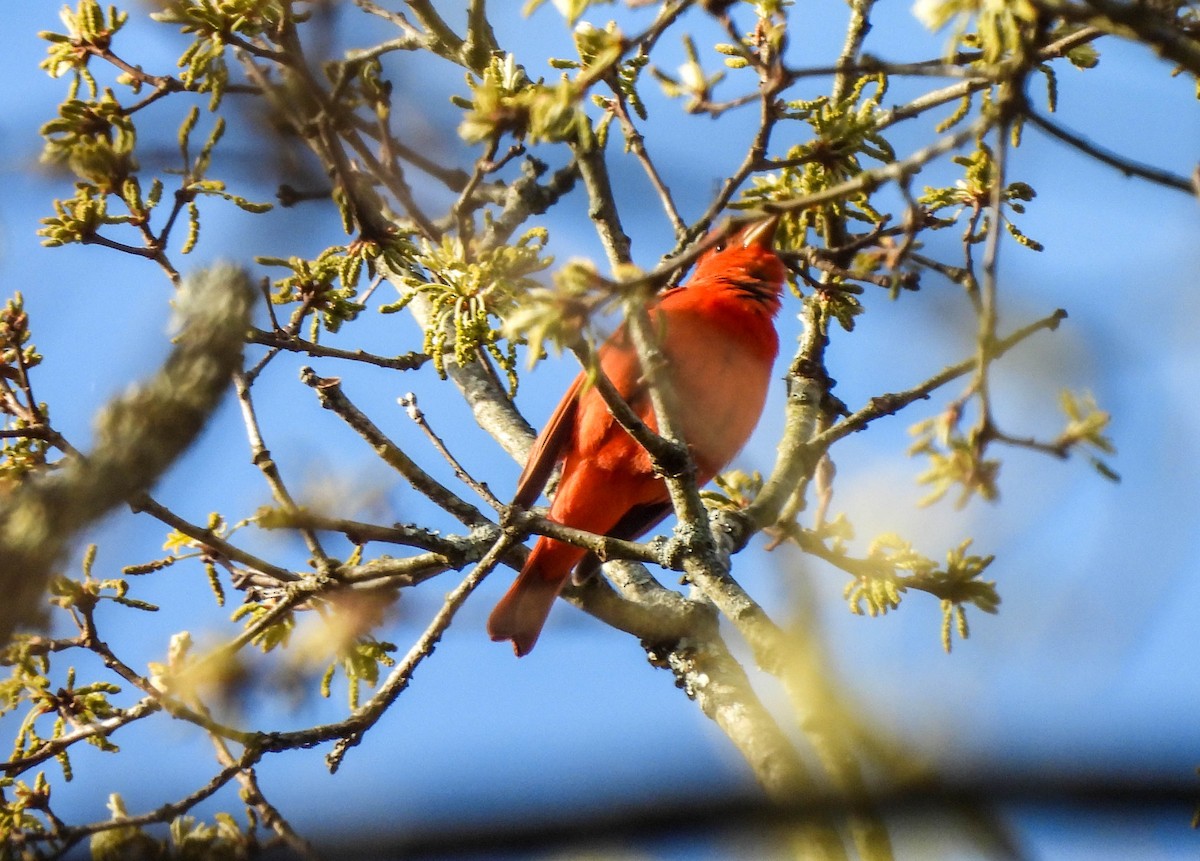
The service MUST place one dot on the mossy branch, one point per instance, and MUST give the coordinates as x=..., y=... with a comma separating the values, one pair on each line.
x=138, y=437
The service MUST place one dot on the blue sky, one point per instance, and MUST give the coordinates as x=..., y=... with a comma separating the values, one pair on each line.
x=1087, y=669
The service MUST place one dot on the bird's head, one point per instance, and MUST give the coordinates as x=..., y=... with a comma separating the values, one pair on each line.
x=745, y=259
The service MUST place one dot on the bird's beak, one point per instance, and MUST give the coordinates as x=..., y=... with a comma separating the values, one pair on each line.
x=760, y=234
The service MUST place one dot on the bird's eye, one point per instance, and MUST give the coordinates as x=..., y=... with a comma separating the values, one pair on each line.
x=720, y=246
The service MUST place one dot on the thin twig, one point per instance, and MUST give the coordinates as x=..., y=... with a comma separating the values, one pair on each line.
x=409, y=402
x=252, y=795
x=329, y=392
x=1141, y=21
x=637, y=143
x=261, y=457
x=171, y=704
x=209, y=541
x=1127, y=166
x=404, y=534
x=277, y=340
x=72, y=835
x=755, y=154
x=889, y=404
x=53, y=747
x=352, y=730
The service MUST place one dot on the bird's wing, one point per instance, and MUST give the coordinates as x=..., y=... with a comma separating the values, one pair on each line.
x=592, y=424
x=635, y=523
x=548, y=448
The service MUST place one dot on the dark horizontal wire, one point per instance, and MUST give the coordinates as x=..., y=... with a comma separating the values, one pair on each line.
x=738, y=813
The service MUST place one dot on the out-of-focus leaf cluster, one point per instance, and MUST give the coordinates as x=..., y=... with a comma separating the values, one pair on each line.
x=691, y=82
x=505, y=101
x=956, y=459
x=218, y=675
x=839, y=299
x=558, y=317
x=626, y=74
x=277, y=633
x=1086, y=424
x=360, y=662
x=570, y=9
x=600, y=50
x=1003, y=27
x=95, y=139
x=188, y=839
x=735, y=490
x=758, y=48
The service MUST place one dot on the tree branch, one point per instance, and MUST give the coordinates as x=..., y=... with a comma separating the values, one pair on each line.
x=1127, y=166
x=329, y=393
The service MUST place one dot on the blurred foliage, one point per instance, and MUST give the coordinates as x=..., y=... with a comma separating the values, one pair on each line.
x=505, y=102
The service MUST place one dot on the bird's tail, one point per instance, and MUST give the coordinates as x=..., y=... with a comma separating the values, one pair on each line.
x=522, y=611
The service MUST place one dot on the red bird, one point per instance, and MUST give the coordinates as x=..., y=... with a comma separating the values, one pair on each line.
x=718, y=334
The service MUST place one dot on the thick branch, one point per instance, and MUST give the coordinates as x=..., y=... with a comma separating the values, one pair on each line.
x=139, y=436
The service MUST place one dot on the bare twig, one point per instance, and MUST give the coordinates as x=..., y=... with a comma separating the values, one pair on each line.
x=209, y=541
x=277, y=340
x=329, y=392
x=351, y=731
x=266, y=464
x=637, y=143
x=1125, y=165
x=889, y=404
x=409, y=402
